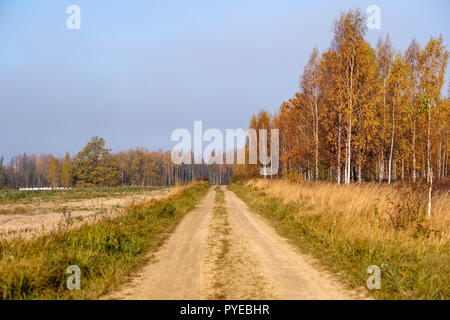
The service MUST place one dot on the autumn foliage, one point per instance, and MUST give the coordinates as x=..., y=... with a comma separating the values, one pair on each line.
x=364, y=113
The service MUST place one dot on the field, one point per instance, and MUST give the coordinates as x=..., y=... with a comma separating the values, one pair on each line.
x=106, y=251
x=28, y=214
x=349, y=228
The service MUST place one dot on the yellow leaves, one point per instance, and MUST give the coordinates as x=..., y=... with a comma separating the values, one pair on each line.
x=368, y=103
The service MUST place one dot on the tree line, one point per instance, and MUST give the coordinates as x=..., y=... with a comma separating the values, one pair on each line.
x=96, y=165
x=361, y=114
x=364, y=113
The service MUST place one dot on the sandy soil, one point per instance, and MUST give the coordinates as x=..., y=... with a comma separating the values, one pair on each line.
x=176, y=270
x=232, y=270
x=45, y=217
x=235, y=255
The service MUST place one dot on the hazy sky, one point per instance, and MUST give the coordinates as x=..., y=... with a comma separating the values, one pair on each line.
x=137, y=70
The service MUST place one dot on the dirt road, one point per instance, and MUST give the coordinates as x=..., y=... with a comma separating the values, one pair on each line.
x=176, y=270
x=231, y=254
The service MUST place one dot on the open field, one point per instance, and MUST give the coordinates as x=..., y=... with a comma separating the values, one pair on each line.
x=28, y=214
x=349, y=228
x=40, y=196
x=106, y=251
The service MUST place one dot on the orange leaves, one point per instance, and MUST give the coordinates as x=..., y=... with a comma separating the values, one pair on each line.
x=358, y=113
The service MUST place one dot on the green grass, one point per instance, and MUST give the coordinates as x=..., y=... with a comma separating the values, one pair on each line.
x=418, y=269
x=106, y=252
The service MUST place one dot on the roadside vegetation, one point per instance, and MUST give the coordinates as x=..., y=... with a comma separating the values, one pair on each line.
x=106, y=252
x=349, y=228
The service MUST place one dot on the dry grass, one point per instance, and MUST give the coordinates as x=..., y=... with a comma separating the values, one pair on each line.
x=366, y=209
x=36, y=217
x=352, y=227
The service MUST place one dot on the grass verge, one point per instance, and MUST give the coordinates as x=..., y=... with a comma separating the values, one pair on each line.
x=412, y=269
x=221, y=214
x=105, y=252
x=220, y=247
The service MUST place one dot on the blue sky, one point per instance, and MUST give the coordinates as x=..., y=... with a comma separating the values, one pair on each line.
x=137, y=70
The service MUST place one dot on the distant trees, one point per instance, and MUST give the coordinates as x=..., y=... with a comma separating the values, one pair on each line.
x=24, y=171
x=3, y=178
x=141, y=167
x=262, y=121
x=95, y=165
x=67, y=172
x=54, y=172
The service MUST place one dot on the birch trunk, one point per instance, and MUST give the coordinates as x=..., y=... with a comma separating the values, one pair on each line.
x=392, y=146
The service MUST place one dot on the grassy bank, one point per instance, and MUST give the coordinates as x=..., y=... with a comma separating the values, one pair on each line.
x=105, y=252
x=349, y=232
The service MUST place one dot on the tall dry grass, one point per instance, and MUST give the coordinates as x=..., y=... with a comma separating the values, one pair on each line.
x=367, y=210
x=349, y=228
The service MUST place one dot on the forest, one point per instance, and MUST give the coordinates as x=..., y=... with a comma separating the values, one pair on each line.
x=95, y=165
x=364, y=113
